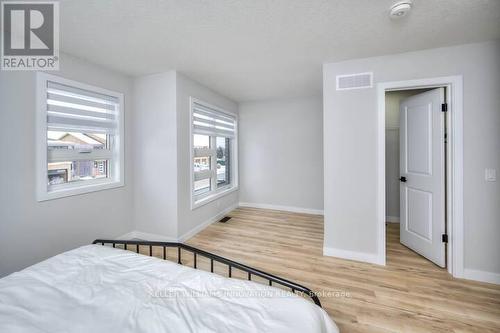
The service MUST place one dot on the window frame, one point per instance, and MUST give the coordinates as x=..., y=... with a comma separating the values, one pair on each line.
x=116, y=162
x=215, y=193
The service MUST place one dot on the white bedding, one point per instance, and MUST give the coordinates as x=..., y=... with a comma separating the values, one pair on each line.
x=100, y=289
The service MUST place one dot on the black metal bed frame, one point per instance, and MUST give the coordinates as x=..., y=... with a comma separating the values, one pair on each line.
x=294, y=287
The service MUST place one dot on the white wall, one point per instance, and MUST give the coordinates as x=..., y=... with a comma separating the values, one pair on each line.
x=155, y=147
x=163, y=167
x=350, y=136
x=31, y=231
x=392, y=174
x=281, y=153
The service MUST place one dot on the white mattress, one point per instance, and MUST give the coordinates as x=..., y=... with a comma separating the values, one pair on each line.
x=100, y=289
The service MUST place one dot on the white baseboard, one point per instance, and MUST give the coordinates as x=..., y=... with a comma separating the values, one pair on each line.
x=283, y=208
x=127, y=236
x=160, y=238
x=146, y=236
x=205, y=224
x=153, y=237
x=483, y=276
x=353, y=255
x=392, y=219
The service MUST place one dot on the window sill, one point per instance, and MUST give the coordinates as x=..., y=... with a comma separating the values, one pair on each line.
x=77, y=190
x=214, y=196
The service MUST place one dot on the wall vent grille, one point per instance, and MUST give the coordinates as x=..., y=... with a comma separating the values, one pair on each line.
x=355, y=81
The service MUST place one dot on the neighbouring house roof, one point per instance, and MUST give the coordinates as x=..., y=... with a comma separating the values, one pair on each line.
x=84, y=138
x=72, y=139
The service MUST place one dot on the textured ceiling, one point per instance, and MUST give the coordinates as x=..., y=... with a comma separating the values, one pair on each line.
x=253, y=49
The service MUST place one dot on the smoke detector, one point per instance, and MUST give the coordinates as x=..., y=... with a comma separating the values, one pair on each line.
x=400, y=9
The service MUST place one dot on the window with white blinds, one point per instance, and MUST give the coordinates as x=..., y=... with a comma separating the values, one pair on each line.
x=213, y=151
x=80, y=137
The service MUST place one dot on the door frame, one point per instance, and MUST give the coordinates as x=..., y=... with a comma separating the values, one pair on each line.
x=454, y=165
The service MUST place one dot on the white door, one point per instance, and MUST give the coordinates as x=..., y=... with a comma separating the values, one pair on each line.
x=422, y=172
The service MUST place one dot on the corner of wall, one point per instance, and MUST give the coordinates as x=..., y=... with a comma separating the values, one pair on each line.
x=354, y=255
x=155, y=142
x=162, y=200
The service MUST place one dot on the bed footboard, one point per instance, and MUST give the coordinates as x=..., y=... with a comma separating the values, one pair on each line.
x=272, y=279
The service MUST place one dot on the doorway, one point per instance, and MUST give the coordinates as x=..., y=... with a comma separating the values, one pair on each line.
x=452, y=89
x=415, y=150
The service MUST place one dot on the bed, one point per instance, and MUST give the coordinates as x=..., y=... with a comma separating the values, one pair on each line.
x=113, y=288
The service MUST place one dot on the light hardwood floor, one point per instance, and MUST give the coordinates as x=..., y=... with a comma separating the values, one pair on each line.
x=410, y=294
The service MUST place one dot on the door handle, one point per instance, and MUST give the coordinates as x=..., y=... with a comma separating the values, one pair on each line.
x=402, y=179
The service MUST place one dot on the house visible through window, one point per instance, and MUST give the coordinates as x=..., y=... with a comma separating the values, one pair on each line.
x=223, y=153
x=78, y=170
x=81, y=149
x=214, y=133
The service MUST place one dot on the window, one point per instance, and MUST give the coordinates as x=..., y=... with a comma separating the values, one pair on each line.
x=213, y=152
x=79, y=138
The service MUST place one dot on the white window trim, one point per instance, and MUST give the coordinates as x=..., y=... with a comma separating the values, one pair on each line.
x=118, y=173
x=201, y=200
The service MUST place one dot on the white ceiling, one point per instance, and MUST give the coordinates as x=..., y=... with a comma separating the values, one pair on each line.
x=256, y=49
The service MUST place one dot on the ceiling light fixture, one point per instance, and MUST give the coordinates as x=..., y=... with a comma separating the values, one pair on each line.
x=400, y=9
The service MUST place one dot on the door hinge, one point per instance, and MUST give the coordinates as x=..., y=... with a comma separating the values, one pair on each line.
x=444, y=107
x=445, y=238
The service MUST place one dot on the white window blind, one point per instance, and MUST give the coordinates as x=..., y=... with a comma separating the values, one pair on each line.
x=211, y=122
x=74, y=109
